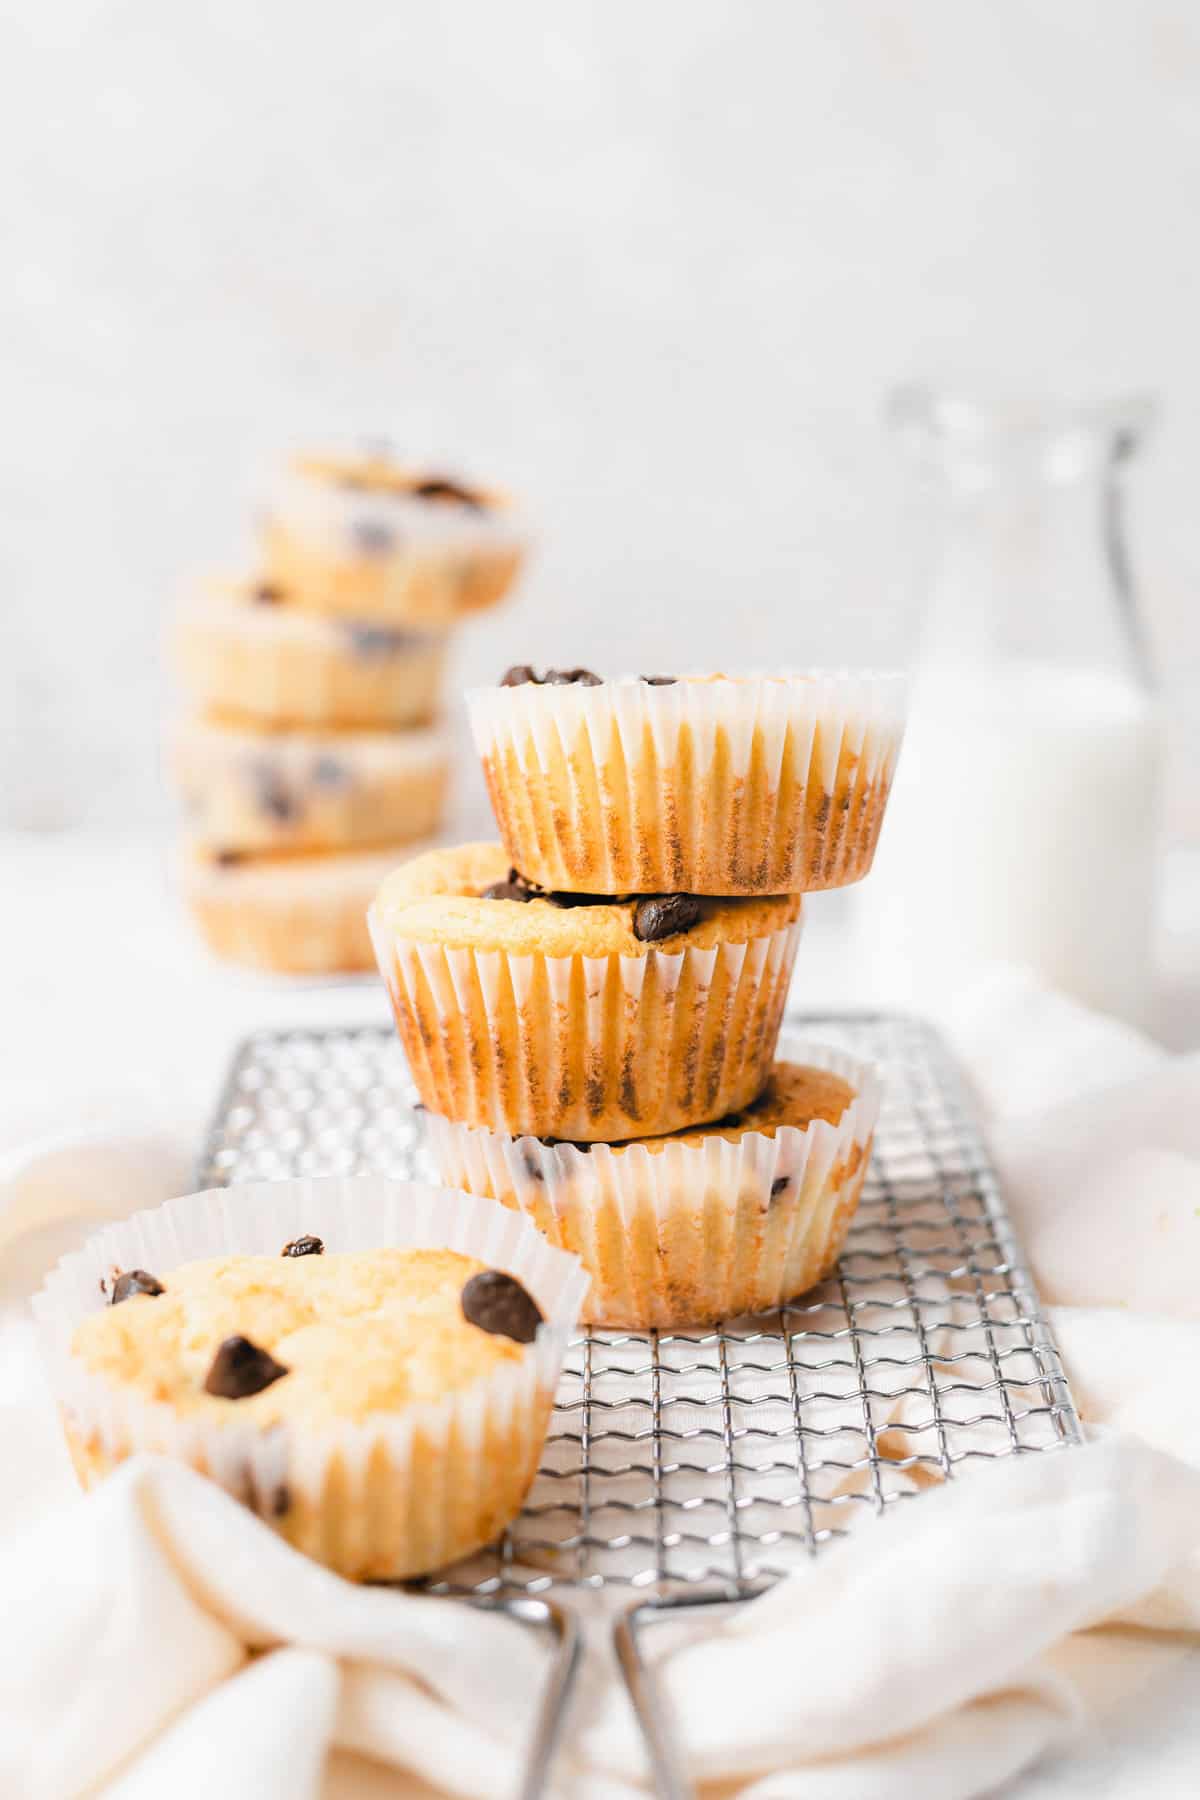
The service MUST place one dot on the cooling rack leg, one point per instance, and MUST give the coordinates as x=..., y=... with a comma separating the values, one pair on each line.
x=556, y=1695
x=666, y=1761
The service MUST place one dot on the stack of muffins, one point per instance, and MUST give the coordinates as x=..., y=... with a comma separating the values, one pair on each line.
x=313, y=750
x=590, y=1010
x=591, y=1014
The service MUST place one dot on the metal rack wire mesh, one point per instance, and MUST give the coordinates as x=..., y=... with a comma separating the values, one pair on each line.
x=724, y=1456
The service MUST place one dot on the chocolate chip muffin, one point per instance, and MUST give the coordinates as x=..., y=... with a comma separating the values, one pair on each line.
x=703, y=785
x=366, y=536
x=381, y=1408
x=298, y=914
x=271, y=792
x=248, y=654
x=578, y=1016
x=684, y=1230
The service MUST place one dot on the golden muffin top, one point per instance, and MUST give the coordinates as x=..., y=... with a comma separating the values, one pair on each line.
x=795, y=1094
x=315, y=1337
x=468, y=897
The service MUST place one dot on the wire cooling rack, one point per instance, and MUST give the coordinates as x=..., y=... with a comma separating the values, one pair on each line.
x=719, y=1458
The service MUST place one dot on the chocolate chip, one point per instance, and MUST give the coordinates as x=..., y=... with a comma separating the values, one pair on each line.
x=659, y=680
x=135, y=1281
x=272, y=794
x=266, y=593
x=304, y=1246
x=663, y=916
x=507, y=890
x=372, y=537
x=437, y=487
x=514, y=887
x=568, y=900
x=281, y=1500
x=376, y=640
x=523, y=675
x=240, y=1369
x=328, y=772
x=229, y=859
x=500, y=1305
x=419, y=1106
x=780, y=1185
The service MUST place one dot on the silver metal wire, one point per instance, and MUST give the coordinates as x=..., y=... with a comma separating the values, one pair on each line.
x=718, y=1458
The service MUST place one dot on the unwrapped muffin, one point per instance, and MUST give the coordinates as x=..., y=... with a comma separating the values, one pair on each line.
x=589, y=1018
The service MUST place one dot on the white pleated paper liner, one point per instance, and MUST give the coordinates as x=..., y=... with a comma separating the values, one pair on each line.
x=760, y=785
x=396, y=1494
x=595, y=1047
x=685, y=1234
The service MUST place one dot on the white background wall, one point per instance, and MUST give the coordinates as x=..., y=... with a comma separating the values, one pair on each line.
x=653, y=265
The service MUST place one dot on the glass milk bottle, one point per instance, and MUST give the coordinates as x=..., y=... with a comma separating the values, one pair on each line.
x=1023, y=821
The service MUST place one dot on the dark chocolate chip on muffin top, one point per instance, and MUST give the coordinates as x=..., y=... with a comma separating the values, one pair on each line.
x=657, y=916
x=497, y=1303
x=440, y=487
x=525, y=675
x=135, y=1281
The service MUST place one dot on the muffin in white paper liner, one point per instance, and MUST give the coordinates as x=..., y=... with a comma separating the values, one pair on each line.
x=272, y=791
x=766, y=784
x=392, y=1495
x=589, y=1047
x=354, y=534
x=297, y=915
x=686, y=1231
x=272, y=664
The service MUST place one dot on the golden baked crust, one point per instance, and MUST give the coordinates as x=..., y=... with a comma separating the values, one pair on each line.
x=796, y=1094
x=436, y=899
x=360, y=1333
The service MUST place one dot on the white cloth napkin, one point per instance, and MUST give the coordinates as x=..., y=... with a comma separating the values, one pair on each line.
x=159, y=1639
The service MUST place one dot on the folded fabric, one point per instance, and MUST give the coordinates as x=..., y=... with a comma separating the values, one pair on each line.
x=160, y=1638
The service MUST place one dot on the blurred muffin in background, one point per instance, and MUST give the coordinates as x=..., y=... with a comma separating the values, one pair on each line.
x=365, y=536
x=245, y=653
x=310, y=761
